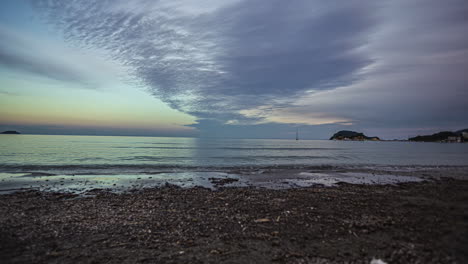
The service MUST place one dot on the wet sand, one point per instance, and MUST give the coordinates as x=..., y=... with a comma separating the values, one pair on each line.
x=425, y=222
x=276, y=177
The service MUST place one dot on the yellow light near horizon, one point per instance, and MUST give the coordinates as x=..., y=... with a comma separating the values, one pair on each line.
x=118, y=108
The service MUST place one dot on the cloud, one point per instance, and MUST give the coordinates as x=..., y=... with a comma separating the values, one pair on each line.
x=217, y=60
x=417, y=80
x=39, y=55
x=290, y=115
x=20, y=54
x=371, y=64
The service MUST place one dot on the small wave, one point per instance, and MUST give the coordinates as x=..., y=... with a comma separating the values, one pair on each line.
x=235, y=158
x=155, y=147
x=152, y=167
x=154, y=158
x=269, y=148
x=90, y=158
x=260, y=157
x=233, y=148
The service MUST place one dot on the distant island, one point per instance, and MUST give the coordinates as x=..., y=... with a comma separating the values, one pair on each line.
x=351, y=135
x=11, y=132
x=444, y=136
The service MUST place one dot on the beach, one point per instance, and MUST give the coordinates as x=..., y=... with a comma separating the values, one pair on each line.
x=423, y=222
x=84, y=199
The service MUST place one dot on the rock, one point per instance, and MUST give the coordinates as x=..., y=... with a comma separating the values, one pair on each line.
x=262, y=220
x=351, y=135
x=377, y=261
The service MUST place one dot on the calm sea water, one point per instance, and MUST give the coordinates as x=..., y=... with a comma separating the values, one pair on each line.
x=100, y=151
x=80, y=163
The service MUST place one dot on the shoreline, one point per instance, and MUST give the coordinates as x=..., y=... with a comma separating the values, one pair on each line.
x=123, y=179
x=118, y=179
x=424, y=222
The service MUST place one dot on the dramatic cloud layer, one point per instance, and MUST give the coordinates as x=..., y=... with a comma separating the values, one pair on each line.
x=367, y=63
x=34, y=54
x=16, y=52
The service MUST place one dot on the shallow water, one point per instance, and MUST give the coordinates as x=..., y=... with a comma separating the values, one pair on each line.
x=86, y=162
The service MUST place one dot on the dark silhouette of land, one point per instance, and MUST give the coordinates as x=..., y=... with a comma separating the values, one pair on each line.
x=351, y=135
x=11, y=132
x=444, y=136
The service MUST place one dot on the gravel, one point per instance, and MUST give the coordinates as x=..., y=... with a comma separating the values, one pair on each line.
x=424, y=222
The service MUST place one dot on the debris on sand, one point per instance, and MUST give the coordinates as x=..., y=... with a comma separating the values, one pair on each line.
x=410, y=223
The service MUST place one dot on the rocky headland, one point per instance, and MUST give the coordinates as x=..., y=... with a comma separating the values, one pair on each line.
x=444, y=136
x=352, y=135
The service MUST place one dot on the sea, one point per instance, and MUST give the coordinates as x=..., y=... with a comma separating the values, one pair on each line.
x=83, y=163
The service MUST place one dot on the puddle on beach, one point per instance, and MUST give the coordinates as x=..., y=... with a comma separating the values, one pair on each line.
x=354, y=178
x=11, y=182
x=298, y=179
x=81, y=183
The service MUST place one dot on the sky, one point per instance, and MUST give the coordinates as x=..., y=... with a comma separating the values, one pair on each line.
x=234, y=68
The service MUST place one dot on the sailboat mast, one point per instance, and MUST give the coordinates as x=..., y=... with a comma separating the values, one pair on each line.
x=297, y=133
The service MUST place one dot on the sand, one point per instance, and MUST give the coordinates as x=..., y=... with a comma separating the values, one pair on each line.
x=425, y=222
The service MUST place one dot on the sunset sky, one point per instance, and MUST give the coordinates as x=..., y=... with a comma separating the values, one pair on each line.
x=233, y=68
